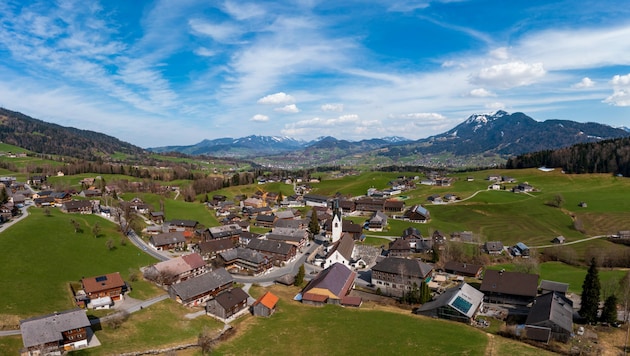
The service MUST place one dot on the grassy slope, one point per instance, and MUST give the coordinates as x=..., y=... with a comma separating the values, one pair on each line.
x=297, y=329
x=43, y=253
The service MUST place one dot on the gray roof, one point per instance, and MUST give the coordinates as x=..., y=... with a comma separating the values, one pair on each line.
x=243, y=254
x=552, y=307
x=216, y=245
x=218, y=232
x=295, y=224
x=463, y=298
x=345, y=246
x=48, y=328
x=411, y=267
x=182, y=223
x=283, y=237
x=494, y=246
x=554, y=286
x=206, y=282
x=278, y=247
x=167, y=238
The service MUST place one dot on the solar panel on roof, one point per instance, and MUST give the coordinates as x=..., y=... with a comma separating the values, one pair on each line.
x=101, y=278
x=462, y=305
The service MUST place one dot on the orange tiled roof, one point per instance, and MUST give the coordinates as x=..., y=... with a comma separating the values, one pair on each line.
x=268, y=299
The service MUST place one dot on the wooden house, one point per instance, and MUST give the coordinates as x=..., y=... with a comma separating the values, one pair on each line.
x=265, y=305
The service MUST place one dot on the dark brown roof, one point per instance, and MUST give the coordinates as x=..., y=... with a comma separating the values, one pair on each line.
x=463, y=268
x=216, y=245
x=231, y=298
x=103, y=282
x=513, y=283
x=168, y=238
x=278, y=247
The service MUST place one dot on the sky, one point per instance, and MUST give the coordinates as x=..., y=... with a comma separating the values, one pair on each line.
x=158, y=73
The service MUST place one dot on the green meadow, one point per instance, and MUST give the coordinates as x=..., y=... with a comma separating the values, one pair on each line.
x=42, y=254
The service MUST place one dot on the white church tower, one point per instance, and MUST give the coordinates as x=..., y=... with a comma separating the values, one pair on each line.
x=336, y=222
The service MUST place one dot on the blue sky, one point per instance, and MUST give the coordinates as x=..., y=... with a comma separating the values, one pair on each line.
x=158, y=73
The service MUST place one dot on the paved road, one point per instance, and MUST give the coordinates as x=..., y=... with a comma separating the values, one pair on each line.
x=273, y=274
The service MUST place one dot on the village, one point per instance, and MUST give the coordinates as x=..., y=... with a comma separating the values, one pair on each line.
x=209, y=269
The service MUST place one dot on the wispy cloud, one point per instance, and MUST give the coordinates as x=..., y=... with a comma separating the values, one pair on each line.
x=277, y=98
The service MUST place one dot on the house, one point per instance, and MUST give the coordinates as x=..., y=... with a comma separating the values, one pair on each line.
x=157, y=217
x=330, y=286
x=493, y=247
x=400, y=248
x=558, y=240
x=369, y=204
x=550, y=318
x=286, y=215
x=435, y=199
x=450, y=198
x=315, y=200
x=340, y=252
x=438, y=239
x=463, y=269
x=290, y=236
x=265, y=305
x=168, y=241
x=395, y=276
x=347, y=227
x=210, y=249
x=509, y=287
x=229, y=231
x=90, y=193
x=623, y=234
x=77, y=206
x=520, y=250
x=553, y=286
x=378, y=221
x=244, y=261
x=276, y=251
x=523, y=188
x=393, y=205
x=181, y=225
x=108, y=285
x=460, y=303
x=494, y=186
x=418, y=214
x=55, y=333
x=195, y=291
x=227, y=304
x=265, y=220
x=176, y=270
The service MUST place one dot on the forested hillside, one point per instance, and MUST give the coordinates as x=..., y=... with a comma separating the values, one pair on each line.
x=42, y=137
x=609, y=156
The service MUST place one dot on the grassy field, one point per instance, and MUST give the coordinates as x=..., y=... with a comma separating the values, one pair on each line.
x=177, y=209
x=42, y=254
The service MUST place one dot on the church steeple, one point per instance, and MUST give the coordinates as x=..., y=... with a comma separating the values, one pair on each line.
x=337, y=223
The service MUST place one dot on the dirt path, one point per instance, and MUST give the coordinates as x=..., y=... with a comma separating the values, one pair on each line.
x=490, y=351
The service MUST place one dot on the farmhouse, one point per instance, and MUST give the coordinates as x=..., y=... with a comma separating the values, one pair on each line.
x=198, y=290
x=55, y=333
x=395, y=276
x=315, y=200
x=177, y=269
x=290, y=236
x=550, y=317
x=244, y=260
x=520, y=250
x=378, y=221
x=276, y=251
x=265, y=305
x=463, y=269
x=418, y=214
x=168, y=241
x=108, y=285
x=509, y=287
x=330, y=286
x=558, y=240
x=227, y=304
x=553, y=286
x=230, y=231
x=493, y=247
x=181, y=225
x=459, y=303
x=210, y=249
x=77, y=206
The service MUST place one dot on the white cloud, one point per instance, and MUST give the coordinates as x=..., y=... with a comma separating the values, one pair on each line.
x=495, y=106
x=242, y=11
x=277, y=98
x=427, y=116
x=481, y=93
x=586, y=82
x=260, y=118
x=289, y=109
x=332, y=107
x=500, y=53
x=224, y=32
x=205, y=52
x=621, y=91
x=509, y=75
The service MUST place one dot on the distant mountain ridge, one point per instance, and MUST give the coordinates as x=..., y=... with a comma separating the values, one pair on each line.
x=43, y=137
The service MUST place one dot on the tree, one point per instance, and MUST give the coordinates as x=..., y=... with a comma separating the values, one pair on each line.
x=47, y=211
x=76, y=225
x=110, y=244
x=609, y=313
x=299, y=277
x=435, y=255
x=280, y=198
x=590, y=294
x=96, y=229
x=624, y=289
x=205, y=341
x=313, y=225
x=425, y=292
x=557, y=201
x=4, y=197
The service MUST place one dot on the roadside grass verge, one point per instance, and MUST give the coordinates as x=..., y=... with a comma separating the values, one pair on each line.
x=42, y=254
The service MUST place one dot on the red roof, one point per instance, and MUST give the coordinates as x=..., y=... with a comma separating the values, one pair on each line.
x=351, y=301
x=268, y=299
x=315, y=297
x=194, y=260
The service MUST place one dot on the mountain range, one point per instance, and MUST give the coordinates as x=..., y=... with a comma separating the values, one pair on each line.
x=499, y=134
